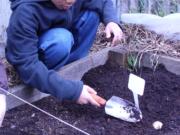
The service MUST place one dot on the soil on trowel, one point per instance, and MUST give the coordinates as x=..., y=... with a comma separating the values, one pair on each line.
x=160, y=102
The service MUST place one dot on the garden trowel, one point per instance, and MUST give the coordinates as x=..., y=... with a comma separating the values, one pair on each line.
x=119, y=108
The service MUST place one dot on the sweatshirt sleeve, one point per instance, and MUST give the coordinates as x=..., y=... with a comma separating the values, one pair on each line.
x=104, y=8
x=109, y=12
x=22, y=53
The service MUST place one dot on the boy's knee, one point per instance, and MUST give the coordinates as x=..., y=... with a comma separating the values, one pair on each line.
x=59, y=36
x=65, y=38
x=93, y=16
x=55, y=46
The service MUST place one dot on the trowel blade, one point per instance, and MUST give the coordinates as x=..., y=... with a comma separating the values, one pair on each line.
x=122, y=109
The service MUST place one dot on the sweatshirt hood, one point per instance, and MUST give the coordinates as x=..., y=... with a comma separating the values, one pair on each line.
x=16, y=3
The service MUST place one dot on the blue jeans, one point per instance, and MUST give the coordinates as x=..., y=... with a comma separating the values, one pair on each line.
x=59, y=46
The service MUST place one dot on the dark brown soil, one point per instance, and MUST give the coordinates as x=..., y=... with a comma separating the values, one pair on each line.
x=161, y=102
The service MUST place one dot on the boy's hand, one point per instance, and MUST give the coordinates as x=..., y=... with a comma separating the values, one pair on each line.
x=115, y=30
x=86, y=97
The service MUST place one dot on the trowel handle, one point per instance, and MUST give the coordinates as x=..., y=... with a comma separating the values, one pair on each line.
x=99, y=99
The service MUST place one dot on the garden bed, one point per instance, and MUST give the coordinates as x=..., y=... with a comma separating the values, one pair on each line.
x=159, y=103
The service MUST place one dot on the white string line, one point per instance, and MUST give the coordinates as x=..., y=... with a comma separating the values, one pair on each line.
x=60, y=120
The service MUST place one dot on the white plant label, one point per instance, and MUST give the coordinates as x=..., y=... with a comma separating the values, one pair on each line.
x=136, y=84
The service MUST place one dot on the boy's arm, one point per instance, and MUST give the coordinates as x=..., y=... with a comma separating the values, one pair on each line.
x=22, y=53
x=104, y=8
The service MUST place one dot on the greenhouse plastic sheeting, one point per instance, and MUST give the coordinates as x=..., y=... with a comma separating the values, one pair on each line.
x=167, y=25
